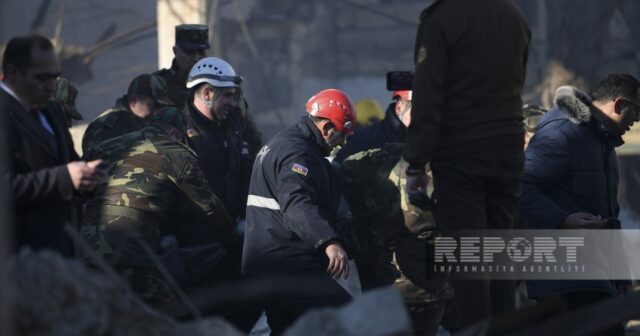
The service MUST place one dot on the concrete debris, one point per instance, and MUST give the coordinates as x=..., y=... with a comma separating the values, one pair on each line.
x=208, y=326
x=375, y=313
x=51, y=295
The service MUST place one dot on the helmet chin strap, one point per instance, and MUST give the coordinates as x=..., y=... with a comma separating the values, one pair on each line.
x=405, y=109
x=332, y=139
x=209, y=103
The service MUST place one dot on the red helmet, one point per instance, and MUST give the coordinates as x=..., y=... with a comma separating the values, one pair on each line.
x=404, y=94
x=334, y=105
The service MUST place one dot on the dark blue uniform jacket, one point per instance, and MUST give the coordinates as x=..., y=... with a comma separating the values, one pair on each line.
x=292, y=204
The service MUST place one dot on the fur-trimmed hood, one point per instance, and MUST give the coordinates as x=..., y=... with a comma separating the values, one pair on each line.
x=575, y=103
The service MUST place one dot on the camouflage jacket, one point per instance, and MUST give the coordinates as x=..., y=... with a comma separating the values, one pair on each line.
x=179, y=94
x=176, y=89
x=155, y=188
x=114, y=122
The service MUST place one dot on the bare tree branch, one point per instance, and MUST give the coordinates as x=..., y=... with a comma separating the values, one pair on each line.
x=41, y=16
x=59, y=22
x=246, y=33
x=381, y=13
x=109, y=43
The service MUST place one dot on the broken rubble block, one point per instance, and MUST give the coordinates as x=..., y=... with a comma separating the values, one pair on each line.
x=51, y=295
x=375, y=313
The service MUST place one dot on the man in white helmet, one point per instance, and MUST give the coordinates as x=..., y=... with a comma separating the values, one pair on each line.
x=217, y=139
x=213, y=134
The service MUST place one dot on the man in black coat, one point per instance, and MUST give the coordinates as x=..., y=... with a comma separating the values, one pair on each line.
x=466, y=121
x=292, y=208
x=43, y=175
x=393, y=128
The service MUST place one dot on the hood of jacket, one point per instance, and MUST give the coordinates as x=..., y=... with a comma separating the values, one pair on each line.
x=577, y=106
x=575, y=103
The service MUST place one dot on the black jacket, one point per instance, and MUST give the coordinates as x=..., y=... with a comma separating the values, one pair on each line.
x=388, y=130
x=221, y=151
x=41, y=189
x=292, y=205
x=471, y=59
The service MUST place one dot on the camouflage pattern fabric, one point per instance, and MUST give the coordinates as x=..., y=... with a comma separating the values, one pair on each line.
x=531, y=116
x=111, y=123
x=175, y=85
x=120, y=120
x=66, y=94
x=150, y=86
x=380, y=174
x=388, y=227
x=155, y=188
x=178, y=93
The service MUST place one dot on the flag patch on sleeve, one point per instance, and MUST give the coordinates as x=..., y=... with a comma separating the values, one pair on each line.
x=300, y=169
x=192, y=133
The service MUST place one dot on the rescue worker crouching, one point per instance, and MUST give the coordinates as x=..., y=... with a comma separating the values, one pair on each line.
x=292, y=208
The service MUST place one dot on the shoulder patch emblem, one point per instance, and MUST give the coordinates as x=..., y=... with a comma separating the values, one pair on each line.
x=300, y=169
x=191, y=132
x=422, y=55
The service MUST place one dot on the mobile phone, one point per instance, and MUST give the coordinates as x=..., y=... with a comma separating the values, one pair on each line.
x=399, y=80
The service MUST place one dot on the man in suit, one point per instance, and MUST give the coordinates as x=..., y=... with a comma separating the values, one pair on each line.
x=44, y=175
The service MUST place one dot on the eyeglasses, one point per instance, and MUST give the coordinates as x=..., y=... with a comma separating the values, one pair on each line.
x=636, y=106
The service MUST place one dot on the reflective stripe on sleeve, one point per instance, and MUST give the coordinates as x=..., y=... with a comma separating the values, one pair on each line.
x=263, y=202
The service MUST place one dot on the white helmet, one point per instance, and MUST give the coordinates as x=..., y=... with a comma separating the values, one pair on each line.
x=215, y=71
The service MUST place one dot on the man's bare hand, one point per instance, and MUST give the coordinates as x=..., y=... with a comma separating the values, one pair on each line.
x=583, y=220
x=338, y=261
x=85, y=175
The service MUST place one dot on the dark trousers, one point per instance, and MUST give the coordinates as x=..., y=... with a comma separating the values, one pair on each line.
x=425, y=317
x=284, y=310
x=479, y=194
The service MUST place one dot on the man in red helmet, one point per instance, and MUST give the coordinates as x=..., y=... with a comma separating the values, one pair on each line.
x=393, y=128
x=292, y=206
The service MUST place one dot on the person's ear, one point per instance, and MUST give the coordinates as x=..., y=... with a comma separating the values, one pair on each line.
x=132, y=102
x=397, y=107
x=618, y=105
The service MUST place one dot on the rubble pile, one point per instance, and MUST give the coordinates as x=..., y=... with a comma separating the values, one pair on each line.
x=375, y=313
x=55, y=296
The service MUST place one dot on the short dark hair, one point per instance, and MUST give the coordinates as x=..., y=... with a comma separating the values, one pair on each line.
x=616, y=85
x=18, y=51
